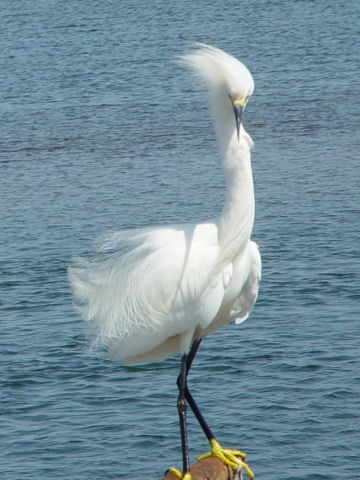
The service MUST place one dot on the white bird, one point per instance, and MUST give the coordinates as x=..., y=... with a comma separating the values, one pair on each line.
x=152, y=292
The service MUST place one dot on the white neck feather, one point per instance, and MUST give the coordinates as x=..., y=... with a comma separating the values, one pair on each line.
x=237, y=216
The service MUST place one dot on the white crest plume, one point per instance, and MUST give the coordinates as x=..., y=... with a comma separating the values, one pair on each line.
x=219, y=70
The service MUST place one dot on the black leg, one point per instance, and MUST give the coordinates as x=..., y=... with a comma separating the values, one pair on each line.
x=189, y=397
x=193, y=350
x=181, y=405
x=229, y=457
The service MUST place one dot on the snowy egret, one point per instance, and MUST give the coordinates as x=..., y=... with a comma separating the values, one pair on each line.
x=152, y=292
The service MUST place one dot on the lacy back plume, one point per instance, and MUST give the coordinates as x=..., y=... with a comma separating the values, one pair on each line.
x=113, y=290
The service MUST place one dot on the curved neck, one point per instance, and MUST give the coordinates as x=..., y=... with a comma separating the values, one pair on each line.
x=237, y=216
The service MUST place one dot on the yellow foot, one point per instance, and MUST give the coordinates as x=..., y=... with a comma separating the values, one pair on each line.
x=229, y=457
x=178, y=474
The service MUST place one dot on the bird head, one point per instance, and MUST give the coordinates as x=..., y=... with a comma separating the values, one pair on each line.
x=229, y=82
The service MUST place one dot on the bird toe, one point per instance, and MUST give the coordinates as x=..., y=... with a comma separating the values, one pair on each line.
x=229, y=457
x=178, y=474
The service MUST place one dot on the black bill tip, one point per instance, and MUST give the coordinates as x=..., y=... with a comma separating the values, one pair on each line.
x=238, y=111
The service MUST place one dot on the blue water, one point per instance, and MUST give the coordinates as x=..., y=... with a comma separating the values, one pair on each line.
x=100, y=130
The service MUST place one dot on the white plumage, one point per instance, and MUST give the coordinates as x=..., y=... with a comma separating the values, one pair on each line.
x=150, y=292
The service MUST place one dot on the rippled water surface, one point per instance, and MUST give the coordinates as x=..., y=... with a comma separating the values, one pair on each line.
x=100, y=130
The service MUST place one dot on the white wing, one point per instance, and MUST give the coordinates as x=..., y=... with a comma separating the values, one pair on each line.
x=245, y=301
x=165, y=284
x=241, y=290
